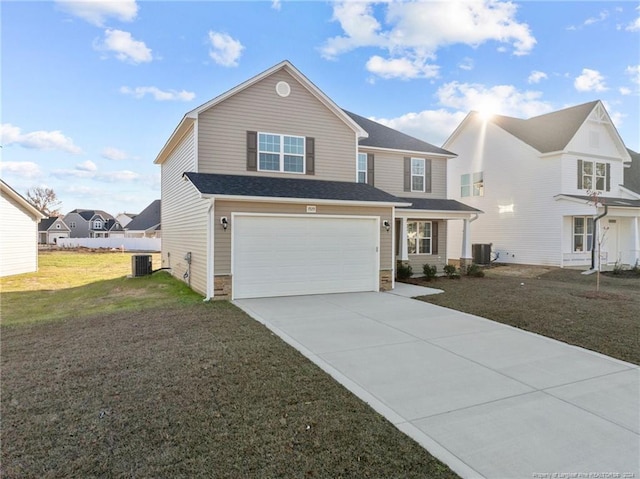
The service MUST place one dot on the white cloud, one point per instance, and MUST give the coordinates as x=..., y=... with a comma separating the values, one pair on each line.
x=536, y=76
x=635, y=25
x=499, y=99
x=433, y=126
x=157, y=94
x=22, y=169
x=87, y=166
x=601, y=17
x=403, y=68
x=38, y=140
x=590, y=80
x=224, y=50
x=634, y=72
x=118, y=176
x=417, y=30
x=466, y=64
x=276, y=5
x=97, y=12
x=114, y=154
x=624, y=90
x=125, y=47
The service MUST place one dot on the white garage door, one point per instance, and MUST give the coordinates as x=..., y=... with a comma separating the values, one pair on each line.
x=285, y=256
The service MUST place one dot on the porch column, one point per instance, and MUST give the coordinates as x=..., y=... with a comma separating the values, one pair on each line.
x=466, y=256
x=404, y=255
x=635, y=241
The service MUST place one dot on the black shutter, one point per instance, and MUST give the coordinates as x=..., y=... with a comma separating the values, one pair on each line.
x=427, y=176
x=370, y=169
x=434, y=237
x=310, y=160
x=252, y=151
x=407, y=173
x=608, y=178
x=579, y=174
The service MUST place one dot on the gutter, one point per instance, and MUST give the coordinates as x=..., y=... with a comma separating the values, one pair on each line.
x=595, y=229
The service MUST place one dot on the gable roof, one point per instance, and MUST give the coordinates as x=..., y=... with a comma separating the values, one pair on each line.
x=47, y=223
x=147, y=219
x=209, y=184
x=549, y=132
x=381, y=136
x=88, y=214
x=632, y=174
x=9, y=192
x=190, y=117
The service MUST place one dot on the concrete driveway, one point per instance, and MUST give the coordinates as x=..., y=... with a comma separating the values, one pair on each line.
x=487, y=399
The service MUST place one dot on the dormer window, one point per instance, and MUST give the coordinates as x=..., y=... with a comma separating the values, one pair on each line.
x=97, y=224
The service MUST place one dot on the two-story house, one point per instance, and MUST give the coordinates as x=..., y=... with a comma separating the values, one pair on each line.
x=535, y=180
x=88, y=223
x=271, y=189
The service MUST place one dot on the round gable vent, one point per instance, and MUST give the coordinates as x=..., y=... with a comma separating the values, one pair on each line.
x=283, y=89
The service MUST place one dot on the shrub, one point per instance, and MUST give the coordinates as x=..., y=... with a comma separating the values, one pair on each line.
x=636, y=269
x=429, y=271
x=617, y=269
x=475, y=271
x=404, y=271
x=451, y=271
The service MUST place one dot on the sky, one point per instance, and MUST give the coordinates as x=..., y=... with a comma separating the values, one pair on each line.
x=92, y=90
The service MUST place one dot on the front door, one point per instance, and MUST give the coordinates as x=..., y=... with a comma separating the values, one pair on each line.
x=610, y=241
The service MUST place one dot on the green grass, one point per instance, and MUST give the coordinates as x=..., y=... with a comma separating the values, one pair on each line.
x=71, y=284
x=170, y=386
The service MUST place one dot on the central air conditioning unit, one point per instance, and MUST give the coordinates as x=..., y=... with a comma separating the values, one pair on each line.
x=141, y=265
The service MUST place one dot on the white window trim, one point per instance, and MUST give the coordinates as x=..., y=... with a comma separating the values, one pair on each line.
x=358, y=170
x=281, y=163
x=594, y=176
x=423, y=175
x=585, y=234
x=472, y=185
x=418, y=238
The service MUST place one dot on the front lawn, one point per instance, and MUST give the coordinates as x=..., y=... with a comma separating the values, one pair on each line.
x=174, y=387
x=558, y=303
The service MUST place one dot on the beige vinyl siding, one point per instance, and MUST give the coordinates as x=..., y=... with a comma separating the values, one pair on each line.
x=389, y=174
x=18, y=239
x=184, y=217
x=225, y=208
x=222, y=130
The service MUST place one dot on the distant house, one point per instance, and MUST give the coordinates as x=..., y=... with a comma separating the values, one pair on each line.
x=52, y=229
x=146, y=224
x=88, y=223
x=534, y=179
x=19, y=233
x=114, y=229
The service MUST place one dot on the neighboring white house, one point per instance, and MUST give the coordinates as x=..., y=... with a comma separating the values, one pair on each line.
x=18, y=234
x=533, y=179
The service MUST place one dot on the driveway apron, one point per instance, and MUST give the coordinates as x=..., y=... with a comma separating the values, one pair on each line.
x=487, y=399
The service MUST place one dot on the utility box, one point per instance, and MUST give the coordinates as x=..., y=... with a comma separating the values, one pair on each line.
x=481, y=253
x=141, y=265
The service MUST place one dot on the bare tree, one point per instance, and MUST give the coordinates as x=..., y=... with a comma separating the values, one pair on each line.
x=44, y=199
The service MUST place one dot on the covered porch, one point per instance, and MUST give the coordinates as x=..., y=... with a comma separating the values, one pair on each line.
x=421, y=232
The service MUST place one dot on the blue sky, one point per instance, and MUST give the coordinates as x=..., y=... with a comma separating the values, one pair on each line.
x=92, y=90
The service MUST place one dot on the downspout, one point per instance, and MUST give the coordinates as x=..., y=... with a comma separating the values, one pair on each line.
x=593, y=242
x=210, y=239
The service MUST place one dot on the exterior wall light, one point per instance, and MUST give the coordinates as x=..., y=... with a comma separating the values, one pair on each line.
x=386, y=224
x=224, y=222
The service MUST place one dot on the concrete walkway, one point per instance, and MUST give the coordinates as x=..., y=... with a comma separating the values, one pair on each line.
x=487, y=399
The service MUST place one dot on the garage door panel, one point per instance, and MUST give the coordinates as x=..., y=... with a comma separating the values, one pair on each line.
x=280, y=256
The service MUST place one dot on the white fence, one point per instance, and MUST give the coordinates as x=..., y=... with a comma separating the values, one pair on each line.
x=128, y=244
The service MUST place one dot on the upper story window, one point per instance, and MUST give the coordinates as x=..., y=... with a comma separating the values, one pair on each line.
x=417, y=174
x=594, y=175
x=472, y=184
x=362, y=168
x=97, y=224
x=72, y=224
x=280, y=153
x=58, y=226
